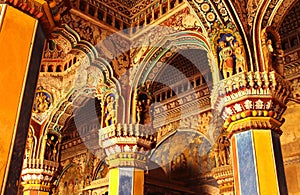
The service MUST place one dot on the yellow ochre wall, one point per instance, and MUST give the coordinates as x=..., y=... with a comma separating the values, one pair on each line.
x=16, y=39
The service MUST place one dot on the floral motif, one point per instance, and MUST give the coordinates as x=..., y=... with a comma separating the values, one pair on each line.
x=238, y=107
x=228, y=111
x=248, y=104
x=259, y=104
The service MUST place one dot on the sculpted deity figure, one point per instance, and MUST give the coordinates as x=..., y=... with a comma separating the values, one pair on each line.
x=139, y=110
x=110, y=111
x=223, y=150
x=41, y=103
x=240, y=59
x=143, y=110
x=268, y=51
x=216, y=155
x=29, y=145
x=147, y=111
x=51, y=149
x=226, y=57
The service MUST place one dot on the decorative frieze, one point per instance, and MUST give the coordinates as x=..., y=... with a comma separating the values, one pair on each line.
x=252, y=100
x=183, y=106
x=224, y=177
x=37, y=174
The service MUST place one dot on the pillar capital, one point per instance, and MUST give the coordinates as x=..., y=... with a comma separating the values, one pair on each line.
x=252, y=104
x=127, y=145
x=38, y=174
x=251, y=100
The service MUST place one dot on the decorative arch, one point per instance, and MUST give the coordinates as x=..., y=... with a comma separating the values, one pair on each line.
x=271, y=50
x=269, y=17
x=162, y=52
x=88, y=76
x=165, y=48
x=62, y=173
x=182, y=130
x=225, y=13
x=276, y=12
x=70, y=180
x=101, y=170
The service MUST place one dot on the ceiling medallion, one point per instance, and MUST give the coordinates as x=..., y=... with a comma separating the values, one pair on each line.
x=205, y=7
x=211, y=17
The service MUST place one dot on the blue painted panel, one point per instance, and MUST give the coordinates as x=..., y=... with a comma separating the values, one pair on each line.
x=125, y=181
x=246, y=161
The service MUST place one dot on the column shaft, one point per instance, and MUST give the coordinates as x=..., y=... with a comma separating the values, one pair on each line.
x=256, y=162
x=126, y=180
x=21, y=41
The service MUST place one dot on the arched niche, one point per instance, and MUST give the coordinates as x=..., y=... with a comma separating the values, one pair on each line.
x=272, y=53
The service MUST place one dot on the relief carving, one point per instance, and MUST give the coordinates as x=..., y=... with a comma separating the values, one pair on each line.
x=221, y=151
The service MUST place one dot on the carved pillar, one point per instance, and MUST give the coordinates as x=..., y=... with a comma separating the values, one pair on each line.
x=252, y=105
x=224, y=177
x=39, y=170
x=223, y=172
x=20, y=57
x=126, y=147
x=37, y=176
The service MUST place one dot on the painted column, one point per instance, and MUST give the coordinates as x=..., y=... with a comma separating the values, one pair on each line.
x=126, y=148
x=21, y=45
x=126, y=180
x=252, y=105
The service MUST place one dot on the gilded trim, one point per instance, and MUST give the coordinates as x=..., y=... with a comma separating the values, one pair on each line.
x=2, y=13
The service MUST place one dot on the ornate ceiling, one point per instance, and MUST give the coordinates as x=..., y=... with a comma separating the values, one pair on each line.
x=291, y=22
x=184, y=65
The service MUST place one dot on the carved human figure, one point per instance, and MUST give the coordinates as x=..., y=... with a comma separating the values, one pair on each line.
x=54, y=151
x=223, y=150
x=267, y=53
x=29, y=145
x=216, y=155
x=139, y=110
x=147, y=111
x=51, y=149
x=41, y=103
x=110, y=111
x=240, y=59
x=226, y=58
